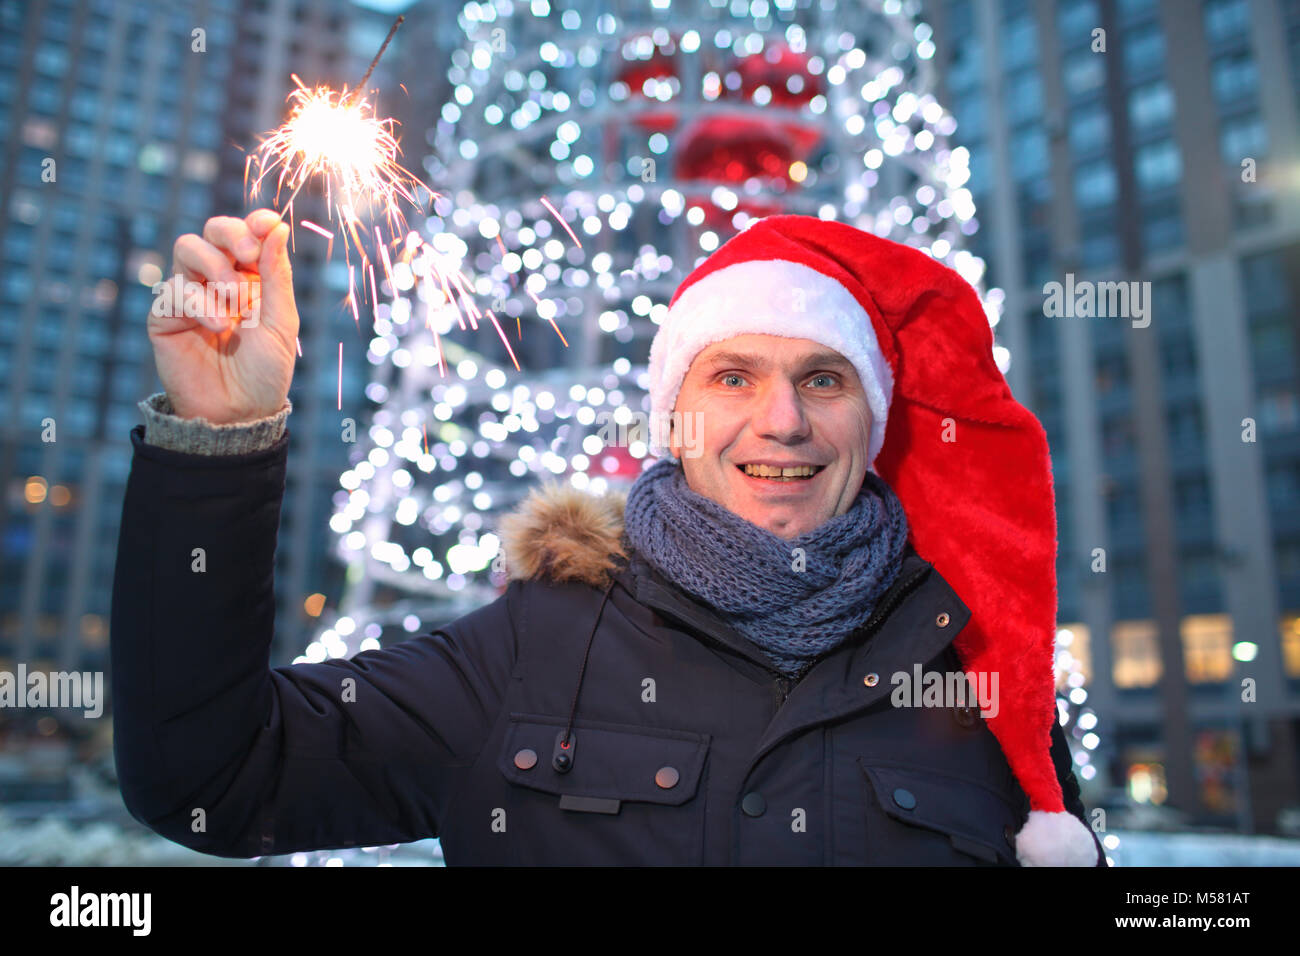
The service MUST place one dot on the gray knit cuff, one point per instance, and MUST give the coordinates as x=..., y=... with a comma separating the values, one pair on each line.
x=198, y=436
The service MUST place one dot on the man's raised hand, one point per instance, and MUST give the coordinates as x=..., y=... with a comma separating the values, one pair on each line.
x=224, y=329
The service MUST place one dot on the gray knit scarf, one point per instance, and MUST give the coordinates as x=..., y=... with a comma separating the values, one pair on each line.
x=794, y=610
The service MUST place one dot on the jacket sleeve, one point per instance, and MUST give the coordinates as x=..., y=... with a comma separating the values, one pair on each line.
x=1070, y=790
x=222, y=753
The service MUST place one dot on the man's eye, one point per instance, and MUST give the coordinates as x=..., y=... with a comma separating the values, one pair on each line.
x=732, y=375
x=830, y=379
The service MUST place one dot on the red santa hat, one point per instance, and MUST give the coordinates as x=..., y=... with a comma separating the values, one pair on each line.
x=968, y=462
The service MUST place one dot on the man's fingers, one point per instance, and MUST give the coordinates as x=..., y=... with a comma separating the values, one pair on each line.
x=262, y=221
x=232, y=236
x=277, y=275
x=202, y=259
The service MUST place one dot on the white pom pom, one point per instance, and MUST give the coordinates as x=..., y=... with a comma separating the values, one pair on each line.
x=1055, y=839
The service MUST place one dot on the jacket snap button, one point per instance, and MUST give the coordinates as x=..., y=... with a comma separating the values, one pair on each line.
x=871, y=680
x=943, y=619
x=904, y=798
x=964, y=715
x=526, y=759
x=753, y=805
x=667, y=777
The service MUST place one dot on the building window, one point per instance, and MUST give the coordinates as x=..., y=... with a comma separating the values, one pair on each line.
x=1078, y=18
x=1283, y=485
x=1158, y=165
x=1263, y=277
x=1083, y=71
x=1150, y=105
x=1233, y=78
x=1019, y=43
x=1226, y=18
x=1024, y=97
x=1278, y=411
x=964, y=68
x=1163, y=233
x=1136, y=653
x=1144, y=51
x=1122, y=509
x=1095, y=185
x=1291, y=644
x=1029, y=153
x=1192, y=501
x=51, y=59
x=1242, y=137
x=1090, y=128
x=970, y=113
x=1198, y=584
x=1136, y=9
x=1207, y=647
x=1184, y=428
x=978, y=164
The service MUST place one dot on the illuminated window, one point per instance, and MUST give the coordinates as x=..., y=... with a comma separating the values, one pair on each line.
x=1291, y=644
x=1207, y=647
x=1072, y=648
x=1137, y=653
x=1146, y=782
x=1216, y=761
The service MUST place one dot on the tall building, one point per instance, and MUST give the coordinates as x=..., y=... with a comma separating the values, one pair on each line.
x=128, y=122
x=1154, y=143
x=114, y=124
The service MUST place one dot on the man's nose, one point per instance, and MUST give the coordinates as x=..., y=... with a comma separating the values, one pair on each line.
x=778, y=413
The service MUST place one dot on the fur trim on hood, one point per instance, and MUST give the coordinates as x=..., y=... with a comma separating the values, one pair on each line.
x=563, y=534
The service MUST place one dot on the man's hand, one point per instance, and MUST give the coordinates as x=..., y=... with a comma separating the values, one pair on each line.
x=226, y=350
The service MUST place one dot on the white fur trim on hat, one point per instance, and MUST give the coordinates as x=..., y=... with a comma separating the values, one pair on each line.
x=1055, y=839
x=767, y=297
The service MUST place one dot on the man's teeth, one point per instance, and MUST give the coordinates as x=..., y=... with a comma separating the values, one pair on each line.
x=785, y=474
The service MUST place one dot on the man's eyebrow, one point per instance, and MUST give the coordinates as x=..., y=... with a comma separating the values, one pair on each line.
x=762, y=362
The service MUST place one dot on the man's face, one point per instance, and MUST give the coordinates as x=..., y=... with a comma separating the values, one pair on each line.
x=769, y=400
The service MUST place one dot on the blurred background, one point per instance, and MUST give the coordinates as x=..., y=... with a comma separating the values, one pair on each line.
x=587, y=156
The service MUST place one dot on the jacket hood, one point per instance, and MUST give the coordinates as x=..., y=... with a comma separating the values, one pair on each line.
x=563, y=534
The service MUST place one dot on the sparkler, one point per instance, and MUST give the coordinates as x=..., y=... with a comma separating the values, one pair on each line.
x=337, y=136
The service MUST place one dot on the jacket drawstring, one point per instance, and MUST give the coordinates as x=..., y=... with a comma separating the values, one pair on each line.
x=562, y=761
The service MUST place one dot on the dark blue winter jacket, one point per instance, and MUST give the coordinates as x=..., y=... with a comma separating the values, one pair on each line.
x=685, y=746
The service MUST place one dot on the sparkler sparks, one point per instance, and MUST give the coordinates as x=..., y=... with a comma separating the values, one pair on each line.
x=338, y=139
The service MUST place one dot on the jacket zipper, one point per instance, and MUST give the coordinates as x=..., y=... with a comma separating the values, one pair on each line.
x=894, y=600
x=783, y=686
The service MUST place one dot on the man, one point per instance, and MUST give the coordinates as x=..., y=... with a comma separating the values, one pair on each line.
x=724, y=667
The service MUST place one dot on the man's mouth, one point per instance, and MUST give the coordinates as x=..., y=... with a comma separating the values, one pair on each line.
x=777, y=473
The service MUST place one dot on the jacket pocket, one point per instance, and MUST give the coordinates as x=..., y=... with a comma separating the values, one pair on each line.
x=630, y=797
x=928, y=818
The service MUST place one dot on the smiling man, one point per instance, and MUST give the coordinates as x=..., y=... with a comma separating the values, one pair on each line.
x=699, y=672
x=784, y=428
